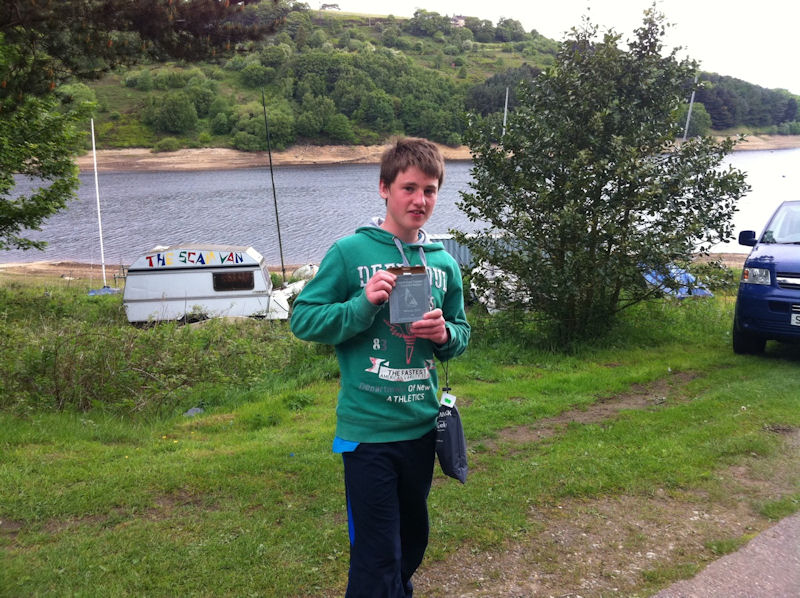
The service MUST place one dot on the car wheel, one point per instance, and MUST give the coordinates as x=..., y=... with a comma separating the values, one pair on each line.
x=745, y=343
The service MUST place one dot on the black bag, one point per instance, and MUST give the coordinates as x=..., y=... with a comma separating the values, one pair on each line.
x=451, y=447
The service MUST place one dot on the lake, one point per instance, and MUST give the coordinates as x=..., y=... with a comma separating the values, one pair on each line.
x=316, y=206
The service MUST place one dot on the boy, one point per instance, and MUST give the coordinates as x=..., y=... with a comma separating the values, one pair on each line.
x=387, y=404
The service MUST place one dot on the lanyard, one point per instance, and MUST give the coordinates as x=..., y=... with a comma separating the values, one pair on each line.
x=406, y=263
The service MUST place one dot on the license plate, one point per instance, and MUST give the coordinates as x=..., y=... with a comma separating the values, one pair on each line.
x=795, y=320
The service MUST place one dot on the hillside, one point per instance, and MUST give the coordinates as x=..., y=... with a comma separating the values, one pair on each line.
x=331, y=78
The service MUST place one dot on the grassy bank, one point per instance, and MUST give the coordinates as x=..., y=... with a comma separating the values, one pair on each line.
x=610, y=471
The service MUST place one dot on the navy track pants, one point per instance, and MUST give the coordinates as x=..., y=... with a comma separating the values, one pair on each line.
x=387, y=486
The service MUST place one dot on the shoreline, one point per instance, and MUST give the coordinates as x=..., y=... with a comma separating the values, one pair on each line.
x=144, y=160
x=72, y=270
x=68, y=270
x=210, y=158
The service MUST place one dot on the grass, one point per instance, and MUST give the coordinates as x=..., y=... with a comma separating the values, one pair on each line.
x=246, y=498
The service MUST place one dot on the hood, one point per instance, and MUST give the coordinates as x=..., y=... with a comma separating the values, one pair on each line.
x=785, y=257
x=374, y=230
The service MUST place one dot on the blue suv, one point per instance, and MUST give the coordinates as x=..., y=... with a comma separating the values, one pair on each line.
x=768, y=303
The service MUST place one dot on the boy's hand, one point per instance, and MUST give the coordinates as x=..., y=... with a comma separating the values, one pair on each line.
x=379, y=287
x=432, y=327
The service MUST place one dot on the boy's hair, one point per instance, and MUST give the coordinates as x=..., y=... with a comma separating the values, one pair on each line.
x=412, y=151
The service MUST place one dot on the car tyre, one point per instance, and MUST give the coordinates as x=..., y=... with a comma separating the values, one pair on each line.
x=745, y=343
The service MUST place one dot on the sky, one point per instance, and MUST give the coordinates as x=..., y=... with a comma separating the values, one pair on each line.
x=753, y=41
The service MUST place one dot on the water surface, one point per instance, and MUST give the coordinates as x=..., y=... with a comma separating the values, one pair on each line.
x=316, y=206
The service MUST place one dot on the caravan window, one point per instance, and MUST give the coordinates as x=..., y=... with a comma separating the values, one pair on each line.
x=233, y=281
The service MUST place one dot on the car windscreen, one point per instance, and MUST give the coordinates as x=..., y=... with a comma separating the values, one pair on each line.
x=784, y=226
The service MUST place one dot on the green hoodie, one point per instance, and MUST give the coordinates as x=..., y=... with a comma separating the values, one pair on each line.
x=389, y=380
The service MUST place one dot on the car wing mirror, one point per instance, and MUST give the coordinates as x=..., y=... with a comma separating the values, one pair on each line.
x=747, y=237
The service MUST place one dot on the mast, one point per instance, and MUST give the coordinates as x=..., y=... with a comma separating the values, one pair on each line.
x=689, y=113
x=97, y=195
x=272, y=177
x=505, y=113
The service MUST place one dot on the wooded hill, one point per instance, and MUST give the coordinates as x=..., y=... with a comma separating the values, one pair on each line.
x=337, y=78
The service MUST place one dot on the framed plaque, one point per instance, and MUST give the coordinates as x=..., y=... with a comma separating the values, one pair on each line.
x=411, y=296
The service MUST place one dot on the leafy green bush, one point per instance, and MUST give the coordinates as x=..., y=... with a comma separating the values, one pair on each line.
x=247, y=143
x=789, y=128
x=77, y=93
x=141, y=80
x=220, y=124
x=716, y=276
x=237, y=63
x=339, y=129
x=170, y=78
x=256, y=75
x=202, y=96
x=175, y=113
x=250, y=131
x=212, y=71
x=168, y=144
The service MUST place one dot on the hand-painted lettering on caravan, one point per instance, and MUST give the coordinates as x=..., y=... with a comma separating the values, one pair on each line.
x=189, y=257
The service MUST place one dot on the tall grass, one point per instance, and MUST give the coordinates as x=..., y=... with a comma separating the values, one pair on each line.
x=63, y=350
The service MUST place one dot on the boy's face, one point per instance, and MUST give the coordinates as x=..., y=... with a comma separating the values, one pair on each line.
x=409, y=203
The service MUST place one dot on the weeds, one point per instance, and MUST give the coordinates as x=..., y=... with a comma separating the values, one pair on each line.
x=62, y=350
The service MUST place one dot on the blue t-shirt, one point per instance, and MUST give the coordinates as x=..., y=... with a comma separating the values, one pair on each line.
x=340, y=445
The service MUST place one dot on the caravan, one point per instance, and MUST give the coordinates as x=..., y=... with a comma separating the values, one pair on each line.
x=201, y=281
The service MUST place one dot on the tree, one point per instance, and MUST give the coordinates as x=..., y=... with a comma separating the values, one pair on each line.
x=732, y=102
x=275, y=56
x=699, y=122
x=176, y=113
x=377, y=111
x=37, y=123
x=43, y=44
x=510, y=30
x=339, y=129
x=587, y=188
x=427, y=24
x=482, y=29
x=256, y=75
x=251, y=134
x=390, y=36
x=490, y=95
x=315, y=112
x=202, y=97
